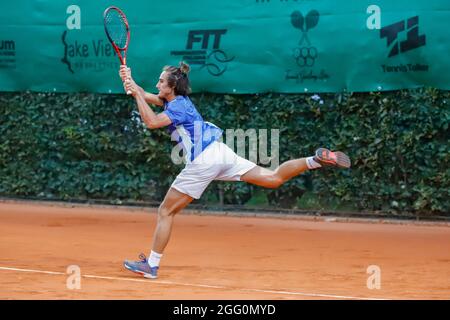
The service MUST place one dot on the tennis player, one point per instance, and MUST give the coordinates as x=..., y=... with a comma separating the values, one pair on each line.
x=207, y=158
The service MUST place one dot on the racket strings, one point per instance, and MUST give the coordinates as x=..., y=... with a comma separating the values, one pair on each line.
x=116, y=28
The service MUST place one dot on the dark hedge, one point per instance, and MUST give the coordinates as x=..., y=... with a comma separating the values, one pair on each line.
x=92, y=146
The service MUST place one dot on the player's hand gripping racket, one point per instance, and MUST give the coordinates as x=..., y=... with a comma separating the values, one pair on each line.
x=118, y=32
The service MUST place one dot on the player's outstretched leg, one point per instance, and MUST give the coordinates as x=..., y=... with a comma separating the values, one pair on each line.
x=273, y=179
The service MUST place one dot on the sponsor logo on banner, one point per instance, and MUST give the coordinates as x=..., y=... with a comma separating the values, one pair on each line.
x=91, y=55
x=7, y=54
x=203, y=51
x=83, y=53
x=305, y=53
x=403, y=37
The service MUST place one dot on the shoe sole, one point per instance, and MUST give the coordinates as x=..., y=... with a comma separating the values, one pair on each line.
x=144, y=274
x=341, y=161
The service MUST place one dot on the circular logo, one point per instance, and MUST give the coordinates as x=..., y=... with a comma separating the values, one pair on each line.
x=305, y=56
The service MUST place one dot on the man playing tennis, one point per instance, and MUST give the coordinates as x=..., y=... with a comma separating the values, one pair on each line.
x=207, y=158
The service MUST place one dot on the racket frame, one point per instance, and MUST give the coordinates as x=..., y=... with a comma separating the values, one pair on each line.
x=122, y=57
x=116, y=48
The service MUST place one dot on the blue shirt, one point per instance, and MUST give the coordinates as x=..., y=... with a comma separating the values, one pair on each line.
x=188, y=127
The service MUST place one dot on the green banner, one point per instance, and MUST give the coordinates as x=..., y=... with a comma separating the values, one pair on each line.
x=233, y=46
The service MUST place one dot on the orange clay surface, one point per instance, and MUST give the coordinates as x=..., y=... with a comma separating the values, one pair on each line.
x=216, y=257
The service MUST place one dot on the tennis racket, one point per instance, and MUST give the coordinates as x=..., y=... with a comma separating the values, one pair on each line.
x=118, y=32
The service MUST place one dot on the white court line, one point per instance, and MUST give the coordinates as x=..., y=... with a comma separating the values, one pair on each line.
x=194, y=285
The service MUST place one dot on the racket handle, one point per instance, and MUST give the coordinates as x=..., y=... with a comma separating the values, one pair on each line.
x=126, y=82
x=128, y=69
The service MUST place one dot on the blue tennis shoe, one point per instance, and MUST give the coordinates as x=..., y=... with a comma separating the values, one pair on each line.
x=142, y=267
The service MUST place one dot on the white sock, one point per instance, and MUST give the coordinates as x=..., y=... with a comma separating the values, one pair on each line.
x=311, y=164
x=153, y=260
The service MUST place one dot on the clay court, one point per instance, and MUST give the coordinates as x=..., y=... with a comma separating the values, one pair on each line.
x=214, y=256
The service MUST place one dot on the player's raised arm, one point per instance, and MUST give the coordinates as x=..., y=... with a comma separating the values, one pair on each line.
x=150, y=118
x=152, y=98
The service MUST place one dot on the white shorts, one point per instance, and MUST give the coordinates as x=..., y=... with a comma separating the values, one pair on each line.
x=216, y=162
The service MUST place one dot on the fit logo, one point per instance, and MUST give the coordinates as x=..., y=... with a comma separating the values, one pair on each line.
x=413, y=38
x=203, y=37
x=203, y=49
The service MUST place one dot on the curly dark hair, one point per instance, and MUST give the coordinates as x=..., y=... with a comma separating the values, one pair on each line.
x=177, y=78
